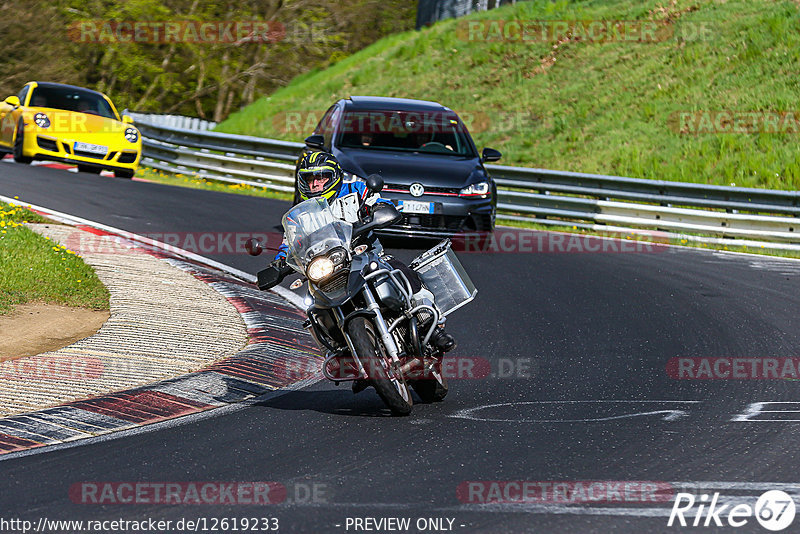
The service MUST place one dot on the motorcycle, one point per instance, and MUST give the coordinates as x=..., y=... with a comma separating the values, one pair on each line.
x=362, y=311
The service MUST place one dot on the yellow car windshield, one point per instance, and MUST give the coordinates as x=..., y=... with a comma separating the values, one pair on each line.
x=71, y=99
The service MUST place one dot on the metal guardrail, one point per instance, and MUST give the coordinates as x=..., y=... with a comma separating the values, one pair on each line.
x=172, y=121
x=538, y=195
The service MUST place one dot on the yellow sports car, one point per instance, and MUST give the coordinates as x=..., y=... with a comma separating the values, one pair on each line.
x=71, y=124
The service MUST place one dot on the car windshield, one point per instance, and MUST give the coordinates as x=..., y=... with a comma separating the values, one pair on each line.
x=438, y=132
x=72, y=99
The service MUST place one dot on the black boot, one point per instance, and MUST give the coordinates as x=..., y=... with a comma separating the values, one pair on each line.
x=443, y=341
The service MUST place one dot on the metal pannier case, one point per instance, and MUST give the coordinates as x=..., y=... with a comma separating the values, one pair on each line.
x=445, y=277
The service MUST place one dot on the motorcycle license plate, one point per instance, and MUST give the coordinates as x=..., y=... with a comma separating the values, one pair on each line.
x=89, y=147
x=413, y=206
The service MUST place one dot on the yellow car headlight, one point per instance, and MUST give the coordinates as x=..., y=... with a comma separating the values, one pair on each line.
x=319, y=269
x=41, y=120
x=132, y=135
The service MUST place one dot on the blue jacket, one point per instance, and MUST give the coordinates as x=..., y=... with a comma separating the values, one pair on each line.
x=347, y=188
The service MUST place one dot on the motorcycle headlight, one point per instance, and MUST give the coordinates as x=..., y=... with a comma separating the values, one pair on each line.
x=319, y=268
x=41, y=120
x=480, y=189
x=337, y=256
x=132, y=134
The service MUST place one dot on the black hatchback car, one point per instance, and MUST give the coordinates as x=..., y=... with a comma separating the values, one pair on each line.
x=425, y=155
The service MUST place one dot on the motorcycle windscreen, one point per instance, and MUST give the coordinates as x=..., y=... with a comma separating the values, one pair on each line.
x=312, y=229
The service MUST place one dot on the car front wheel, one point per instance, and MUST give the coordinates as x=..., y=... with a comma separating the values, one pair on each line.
x=19, y=143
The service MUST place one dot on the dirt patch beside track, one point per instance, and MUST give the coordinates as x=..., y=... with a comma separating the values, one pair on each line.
x=34, y=328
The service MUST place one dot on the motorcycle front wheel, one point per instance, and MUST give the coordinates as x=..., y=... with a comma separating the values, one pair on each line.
x=393, y=391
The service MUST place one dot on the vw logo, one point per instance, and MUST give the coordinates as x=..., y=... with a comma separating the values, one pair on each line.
x=416, y=189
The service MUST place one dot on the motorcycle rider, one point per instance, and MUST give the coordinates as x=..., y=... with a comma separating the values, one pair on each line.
x=319, y=174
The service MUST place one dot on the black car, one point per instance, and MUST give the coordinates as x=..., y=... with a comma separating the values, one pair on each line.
x=425, y=155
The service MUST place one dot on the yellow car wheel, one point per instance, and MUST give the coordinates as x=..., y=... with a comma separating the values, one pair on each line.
x=124, y=173
x=19, y=142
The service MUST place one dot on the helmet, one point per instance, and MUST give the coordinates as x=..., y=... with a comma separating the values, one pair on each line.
x=315, y=166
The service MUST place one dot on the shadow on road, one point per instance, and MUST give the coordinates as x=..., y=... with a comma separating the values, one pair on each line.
x=334, y=402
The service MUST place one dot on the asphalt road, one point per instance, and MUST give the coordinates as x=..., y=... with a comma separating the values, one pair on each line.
x=578, y=345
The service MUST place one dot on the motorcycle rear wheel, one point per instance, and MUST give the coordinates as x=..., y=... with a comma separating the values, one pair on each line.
x=394, y=392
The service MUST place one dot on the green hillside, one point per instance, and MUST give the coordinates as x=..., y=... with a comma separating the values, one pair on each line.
x=573, y=102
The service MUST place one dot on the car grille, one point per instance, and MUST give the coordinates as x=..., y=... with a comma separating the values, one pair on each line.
x=334, y=284
x=47, y=144
x=83, y=154
x=127, y=157
x=111, y=156
x=399, y=188
x=435, y=222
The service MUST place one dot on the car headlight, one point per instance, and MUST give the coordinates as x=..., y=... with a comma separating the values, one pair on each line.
x=132, y=134
x=41, y=120
x=319, y=268
x=481, y=189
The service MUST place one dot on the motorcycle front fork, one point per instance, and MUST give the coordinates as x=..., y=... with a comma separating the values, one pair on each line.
x=380, y=325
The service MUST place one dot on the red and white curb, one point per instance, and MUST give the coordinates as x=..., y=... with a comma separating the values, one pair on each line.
x=53, y=165
x=277, y=343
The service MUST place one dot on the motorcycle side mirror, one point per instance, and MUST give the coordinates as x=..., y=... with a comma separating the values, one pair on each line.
x=383, y=217
x=253, y=246
x=375, y=183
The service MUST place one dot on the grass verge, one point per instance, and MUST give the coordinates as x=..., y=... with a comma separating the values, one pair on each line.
x=35, y=269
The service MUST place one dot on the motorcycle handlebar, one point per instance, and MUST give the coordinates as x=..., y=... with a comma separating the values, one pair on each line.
x=383, y=216
x=273, y=275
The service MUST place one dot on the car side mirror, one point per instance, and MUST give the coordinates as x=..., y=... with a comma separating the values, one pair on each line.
x=315, y=141
x=375, y=183
x=127, y=119
x=12, y=101
x=490, y=154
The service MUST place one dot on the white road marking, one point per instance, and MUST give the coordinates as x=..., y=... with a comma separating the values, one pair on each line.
x=669, y=414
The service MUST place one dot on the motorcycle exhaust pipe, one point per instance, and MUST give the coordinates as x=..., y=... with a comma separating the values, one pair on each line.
x=413, y=364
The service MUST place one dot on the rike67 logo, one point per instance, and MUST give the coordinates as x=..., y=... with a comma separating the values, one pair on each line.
x=774, y=510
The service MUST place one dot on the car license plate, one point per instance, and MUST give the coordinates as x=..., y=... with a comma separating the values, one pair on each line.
x=413, y=206
x=88, y=147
